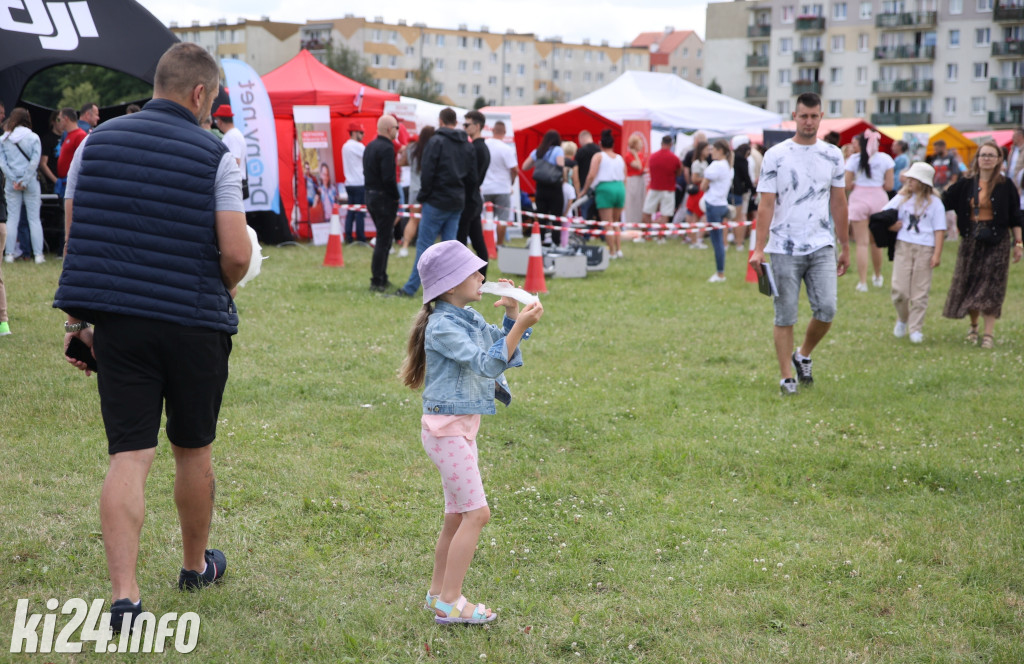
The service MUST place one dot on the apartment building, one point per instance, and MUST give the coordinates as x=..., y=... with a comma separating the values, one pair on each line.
x=958, y=62
x=264, y=44
x=504, y=68
x=679, y=52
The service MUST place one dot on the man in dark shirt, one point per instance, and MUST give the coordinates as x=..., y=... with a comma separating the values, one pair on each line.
x=588, y=148
x=469, y=223
x=381, y=187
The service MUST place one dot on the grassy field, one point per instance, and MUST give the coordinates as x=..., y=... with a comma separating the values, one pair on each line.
x=654, y=499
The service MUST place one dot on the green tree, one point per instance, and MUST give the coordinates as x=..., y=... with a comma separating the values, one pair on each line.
x=714, y=86
x=109, y=87
x=423, y=86
x=479, y=103
x=78, y=96
x=348, y=62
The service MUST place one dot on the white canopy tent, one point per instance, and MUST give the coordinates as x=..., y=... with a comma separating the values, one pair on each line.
x=670, y=103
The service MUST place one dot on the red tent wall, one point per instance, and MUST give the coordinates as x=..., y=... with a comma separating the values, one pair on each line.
x=530, y=123
x=304, y=81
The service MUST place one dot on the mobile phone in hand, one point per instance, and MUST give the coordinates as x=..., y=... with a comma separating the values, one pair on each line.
x=77, y=350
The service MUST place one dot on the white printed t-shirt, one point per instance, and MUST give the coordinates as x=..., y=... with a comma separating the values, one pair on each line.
x=503, y=160
x=802, y=178
x=879, y=163
x=919, y=226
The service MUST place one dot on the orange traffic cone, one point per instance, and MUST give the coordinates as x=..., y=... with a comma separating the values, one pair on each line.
x=535, y=265
x=751, y=275
x=333, y=256
x=489, y=230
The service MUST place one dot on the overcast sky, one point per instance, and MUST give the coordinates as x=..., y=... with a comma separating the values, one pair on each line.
x=617, y=21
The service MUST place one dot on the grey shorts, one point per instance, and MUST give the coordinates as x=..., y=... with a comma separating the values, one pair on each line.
x=502, y=205
x=818, y=271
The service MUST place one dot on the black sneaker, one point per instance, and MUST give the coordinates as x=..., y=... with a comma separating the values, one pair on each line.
x=123, y=613
x=401, y=293
x=788, y=387
x=803, y=370
x=378, y=288
x=216, y=565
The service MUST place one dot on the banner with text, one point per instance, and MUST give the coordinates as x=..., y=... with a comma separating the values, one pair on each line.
x=255, y=119
x=316, y=189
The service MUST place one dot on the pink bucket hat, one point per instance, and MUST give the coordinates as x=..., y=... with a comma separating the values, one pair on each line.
x=444, y=266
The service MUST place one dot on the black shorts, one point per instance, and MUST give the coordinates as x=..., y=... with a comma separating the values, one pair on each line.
x=145, y=363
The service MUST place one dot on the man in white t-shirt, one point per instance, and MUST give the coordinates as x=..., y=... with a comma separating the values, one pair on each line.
x=801, y=185
x=497, y=185
x=233, y=140
x=355, y=185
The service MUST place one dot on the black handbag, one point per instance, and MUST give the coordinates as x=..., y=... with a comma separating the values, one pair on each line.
x=544, y=172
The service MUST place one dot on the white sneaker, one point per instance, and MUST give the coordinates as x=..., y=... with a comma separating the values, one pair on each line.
x=715, y=279
x=740, y=247
x=40, y=258
x=618, y=254
x=403, y=253
x=916, y=337
x=877, y=281
x=862, y=288
x=8, y=258
x=639, y=240
x=700, y=245
x=900, y=330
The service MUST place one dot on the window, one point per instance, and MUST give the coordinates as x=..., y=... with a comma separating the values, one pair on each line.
x=686, y=51
x=954, y=39
x=835, y=108
x=862, y=42
x=860, y=107
x=600, y=56
x=699, y=51
x=521, y=70
x=783, y=107
x=839, y=11
x=838, y=43
x=522, y=47
x=568, y=75
x=462, y=88
x=614, y=69
x=786, y=45
x=862, y=75
x=956, y=6
x=410, y=50
x=478, y=43
x=426, y=40
x=686, y=72
x=439, y=64
x=586, y=56
x=952, y=71
x=376, y=60
x=812, y=10
x=984, y=5
x=568, y=54
x=493, y=58
x=508, y=67
x=586, y=77
x=788, y=14
x=865, y=10
x=476, y=89
x=982, y=36
x=950, y=105
x=439, y=88
x=393, y=36
x=507, y=92
x=835, y=75
x=492, y=80
x=462, y=42
x=980, y=71
x=376, y=36
x=544, y=64
x=393, y=61
x=554, y=74
x=556, y=53
x=543, y=87
x=785, y=77
x=392, y=85
x=440, y=40
x=600, y=77
x=462, y=65
x=977, y=106
x=520, y=92
x=476, y=66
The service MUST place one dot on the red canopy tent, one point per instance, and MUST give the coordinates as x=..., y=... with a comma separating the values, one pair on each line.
x=304, y=81
x=848, y=128
x=530, y=123
x=1002, y=137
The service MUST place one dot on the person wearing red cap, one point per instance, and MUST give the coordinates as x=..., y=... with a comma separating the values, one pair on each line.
x=355, y=183
x=234, y=140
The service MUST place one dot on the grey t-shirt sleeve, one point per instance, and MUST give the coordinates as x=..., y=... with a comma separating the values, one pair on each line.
x=228, y=185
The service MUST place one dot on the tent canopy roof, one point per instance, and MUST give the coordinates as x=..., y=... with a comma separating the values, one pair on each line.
x=567, y=119
x=672, y=103
x=305, y=81
x=1002, y=137
x=936, y=132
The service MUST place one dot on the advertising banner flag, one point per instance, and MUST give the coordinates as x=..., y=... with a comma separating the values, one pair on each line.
x=316, y=189
x=255, y=119
x=641, y=128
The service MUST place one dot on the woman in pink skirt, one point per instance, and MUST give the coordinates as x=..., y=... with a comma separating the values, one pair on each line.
x=869, y=173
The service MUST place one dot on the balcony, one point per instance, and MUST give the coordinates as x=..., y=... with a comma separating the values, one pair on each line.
x=907, y=20
x=314, y=44
x=906, y=52
x=902, y=86
x=809, y=57
x=1011, y=85
x=759, y=31
x=1009, y=13
x=757, y=62
x=800, y=87
x=900, y=118
x=810, y=24
x=757, y=92
x=1011, y=118
x=1007, y=49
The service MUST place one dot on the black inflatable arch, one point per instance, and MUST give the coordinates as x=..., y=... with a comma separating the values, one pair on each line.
x=116, y=34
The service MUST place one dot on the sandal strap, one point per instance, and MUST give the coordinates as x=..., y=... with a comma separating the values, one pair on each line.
x=454, y=610
x=480, y=612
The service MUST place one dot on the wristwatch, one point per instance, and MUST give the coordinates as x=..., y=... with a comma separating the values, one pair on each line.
x=71, y=328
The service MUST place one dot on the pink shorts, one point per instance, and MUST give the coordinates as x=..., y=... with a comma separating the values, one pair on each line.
x=865, y=201
x=456, y=460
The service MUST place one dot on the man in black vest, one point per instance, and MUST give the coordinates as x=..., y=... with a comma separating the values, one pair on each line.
x=157, y=277
x=382, y=197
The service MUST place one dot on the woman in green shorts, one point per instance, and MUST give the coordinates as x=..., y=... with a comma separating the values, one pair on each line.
x=608, y=177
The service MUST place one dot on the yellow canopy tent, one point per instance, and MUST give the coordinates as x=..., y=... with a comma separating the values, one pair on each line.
x=964, y=146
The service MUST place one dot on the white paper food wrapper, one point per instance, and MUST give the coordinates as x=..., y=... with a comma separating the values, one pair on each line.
x=256, y=261
x=502, y=289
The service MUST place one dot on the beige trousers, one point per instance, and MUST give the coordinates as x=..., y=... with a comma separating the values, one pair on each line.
x=911, y=282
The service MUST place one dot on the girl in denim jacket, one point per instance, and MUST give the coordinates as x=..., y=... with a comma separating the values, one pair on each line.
x=459, y=360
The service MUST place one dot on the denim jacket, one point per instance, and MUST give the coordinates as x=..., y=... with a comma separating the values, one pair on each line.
x=19, y=155
x=466, y=361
